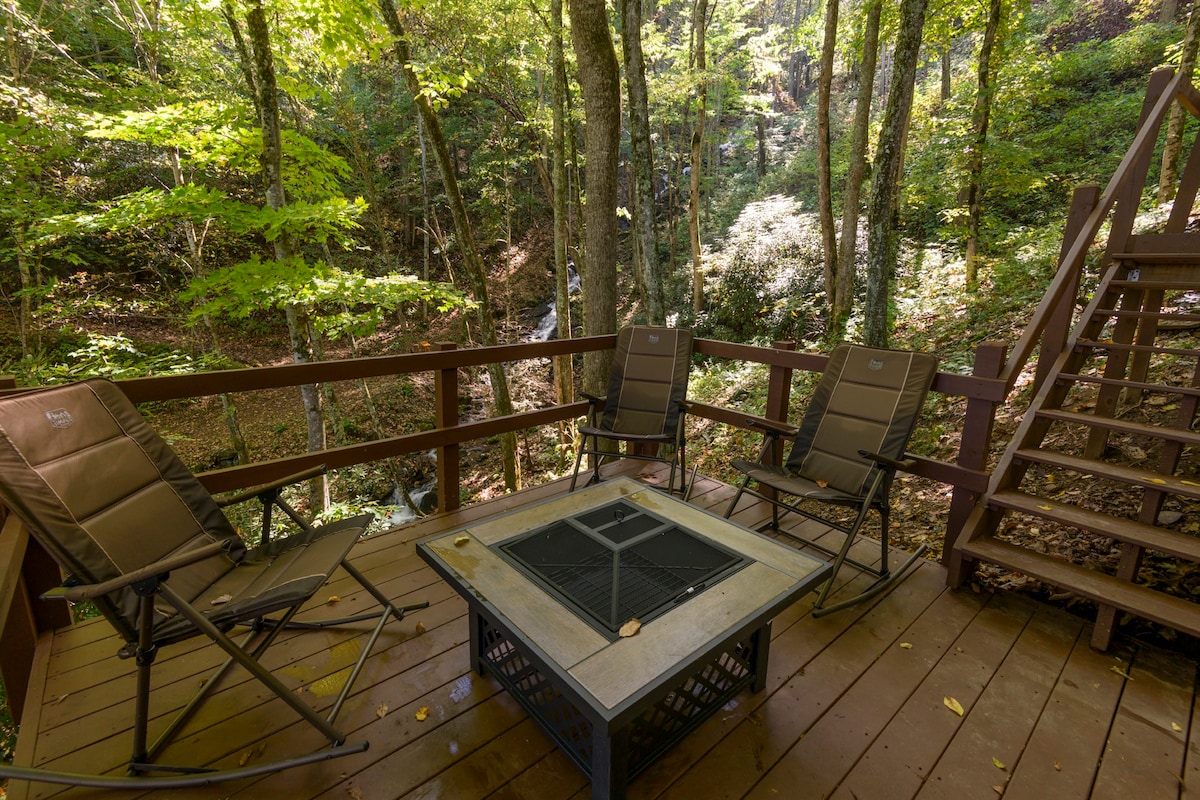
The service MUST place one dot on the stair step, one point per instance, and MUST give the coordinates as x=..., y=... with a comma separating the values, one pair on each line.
x=1181, y=284
x=1181, y=258
x=1124, y=530
x=1155, y=388
x=1115, y=472
x=1122, y=426
x=1182, y=615
x=1136, y=348
x=1117, y=312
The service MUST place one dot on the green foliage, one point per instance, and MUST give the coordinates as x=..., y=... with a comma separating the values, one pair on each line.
x=93, y=355
x=8, y=731
x=342, y=302
x=766, y=280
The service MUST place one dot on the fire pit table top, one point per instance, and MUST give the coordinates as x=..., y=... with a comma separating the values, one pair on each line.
x=740, y=578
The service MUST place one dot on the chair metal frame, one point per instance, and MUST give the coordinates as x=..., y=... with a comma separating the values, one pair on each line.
x=912, y=375
x=149, y=585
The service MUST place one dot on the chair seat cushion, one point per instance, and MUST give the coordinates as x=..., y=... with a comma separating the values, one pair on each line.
x=285, y=572
x=783, y=480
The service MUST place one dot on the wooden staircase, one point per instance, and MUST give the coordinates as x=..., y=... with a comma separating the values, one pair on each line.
x=1116, y=412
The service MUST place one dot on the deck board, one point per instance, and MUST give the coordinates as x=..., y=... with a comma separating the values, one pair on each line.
x=847, y=711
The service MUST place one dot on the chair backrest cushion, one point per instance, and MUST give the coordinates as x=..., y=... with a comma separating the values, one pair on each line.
x=867, y=399
x=649, y=378
x=102, y=491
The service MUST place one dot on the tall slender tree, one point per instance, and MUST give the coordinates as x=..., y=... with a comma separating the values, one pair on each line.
x=889, y=156
x=600, y=85
x=852, y=196
x=700, y=69
x=476, y=274
x=1169, y=173
x=824, y=176
x=979, y=131
x=642, y=192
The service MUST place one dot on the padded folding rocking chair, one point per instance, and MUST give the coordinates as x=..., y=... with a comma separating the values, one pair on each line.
x=139, y=536
x=846, y=452
x=645, y=404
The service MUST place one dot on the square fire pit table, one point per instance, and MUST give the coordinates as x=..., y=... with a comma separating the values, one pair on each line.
x=552, y=586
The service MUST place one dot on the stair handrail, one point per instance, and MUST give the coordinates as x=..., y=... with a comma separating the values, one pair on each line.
x=1165, y=88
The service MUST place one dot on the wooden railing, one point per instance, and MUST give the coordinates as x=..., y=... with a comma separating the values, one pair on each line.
x=26, y=571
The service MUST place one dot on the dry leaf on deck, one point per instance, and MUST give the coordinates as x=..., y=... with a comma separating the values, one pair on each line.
x=630, y=628
x=1121, y=672
x=1175, y=726
x=999, y=764
x=333, y=598
x=822, y=484
x=381, y=710
x=906, y=645
x=953, y=705
x=225, y=598
x=422, y=713
x=461, y=540
x=353, y=791
x=420, y=627
x=998, y=789
x=1058, y=766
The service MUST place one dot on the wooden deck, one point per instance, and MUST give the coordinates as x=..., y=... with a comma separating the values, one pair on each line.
x=854, y=705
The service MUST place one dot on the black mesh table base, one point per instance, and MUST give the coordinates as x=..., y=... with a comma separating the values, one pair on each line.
x=611, y=755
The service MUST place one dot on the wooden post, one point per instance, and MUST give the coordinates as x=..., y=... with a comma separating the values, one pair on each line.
x=446, y=416
x=1058, y=327
x=779, y=392
x=976, y=441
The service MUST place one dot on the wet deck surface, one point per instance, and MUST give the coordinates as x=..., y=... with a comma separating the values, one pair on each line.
x=855, y=704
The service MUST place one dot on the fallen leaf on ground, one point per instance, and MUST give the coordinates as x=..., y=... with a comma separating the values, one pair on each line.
x=381, y=710
x=225, y=598
x=999, y=764
x=461, y=540
x=998, y=789
x=333, y=598
x=1175, y=726
x=1121, y=672
x=422, y=713
x=906, y=645
x=1058, y=766
x=953, y=705
x=822, y=484
x=630, y=628
x=353, y=791
x=420, y=627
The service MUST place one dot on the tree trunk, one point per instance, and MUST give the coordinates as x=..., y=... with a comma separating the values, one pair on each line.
x=699, y=20
x=476, y=274
x=263, y=68
x=1169, y=174
x=848, y=248
x=979, y=131
x=564, y=377
x=824, y=178
x=881, y=223
x=643, y=162
x=600, y=84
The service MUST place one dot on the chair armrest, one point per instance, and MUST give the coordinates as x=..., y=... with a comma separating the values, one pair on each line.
x=887, y=463
x=593, y=399
x=254, y=491
x=772, y=428
x=91, y=591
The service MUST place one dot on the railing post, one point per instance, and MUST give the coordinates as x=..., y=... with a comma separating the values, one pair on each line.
x=446, y=416
x=26, y=571
x=976, y=440
x=1058, y=327
x=779, y=392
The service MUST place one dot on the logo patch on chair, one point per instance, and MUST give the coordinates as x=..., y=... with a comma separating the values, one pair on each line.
x=875, y=364
x=60, y=418
x=653, y=338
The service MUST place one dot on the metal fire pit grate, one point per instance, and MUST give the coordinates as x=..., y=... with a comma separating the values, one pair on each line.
x=618, y=562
